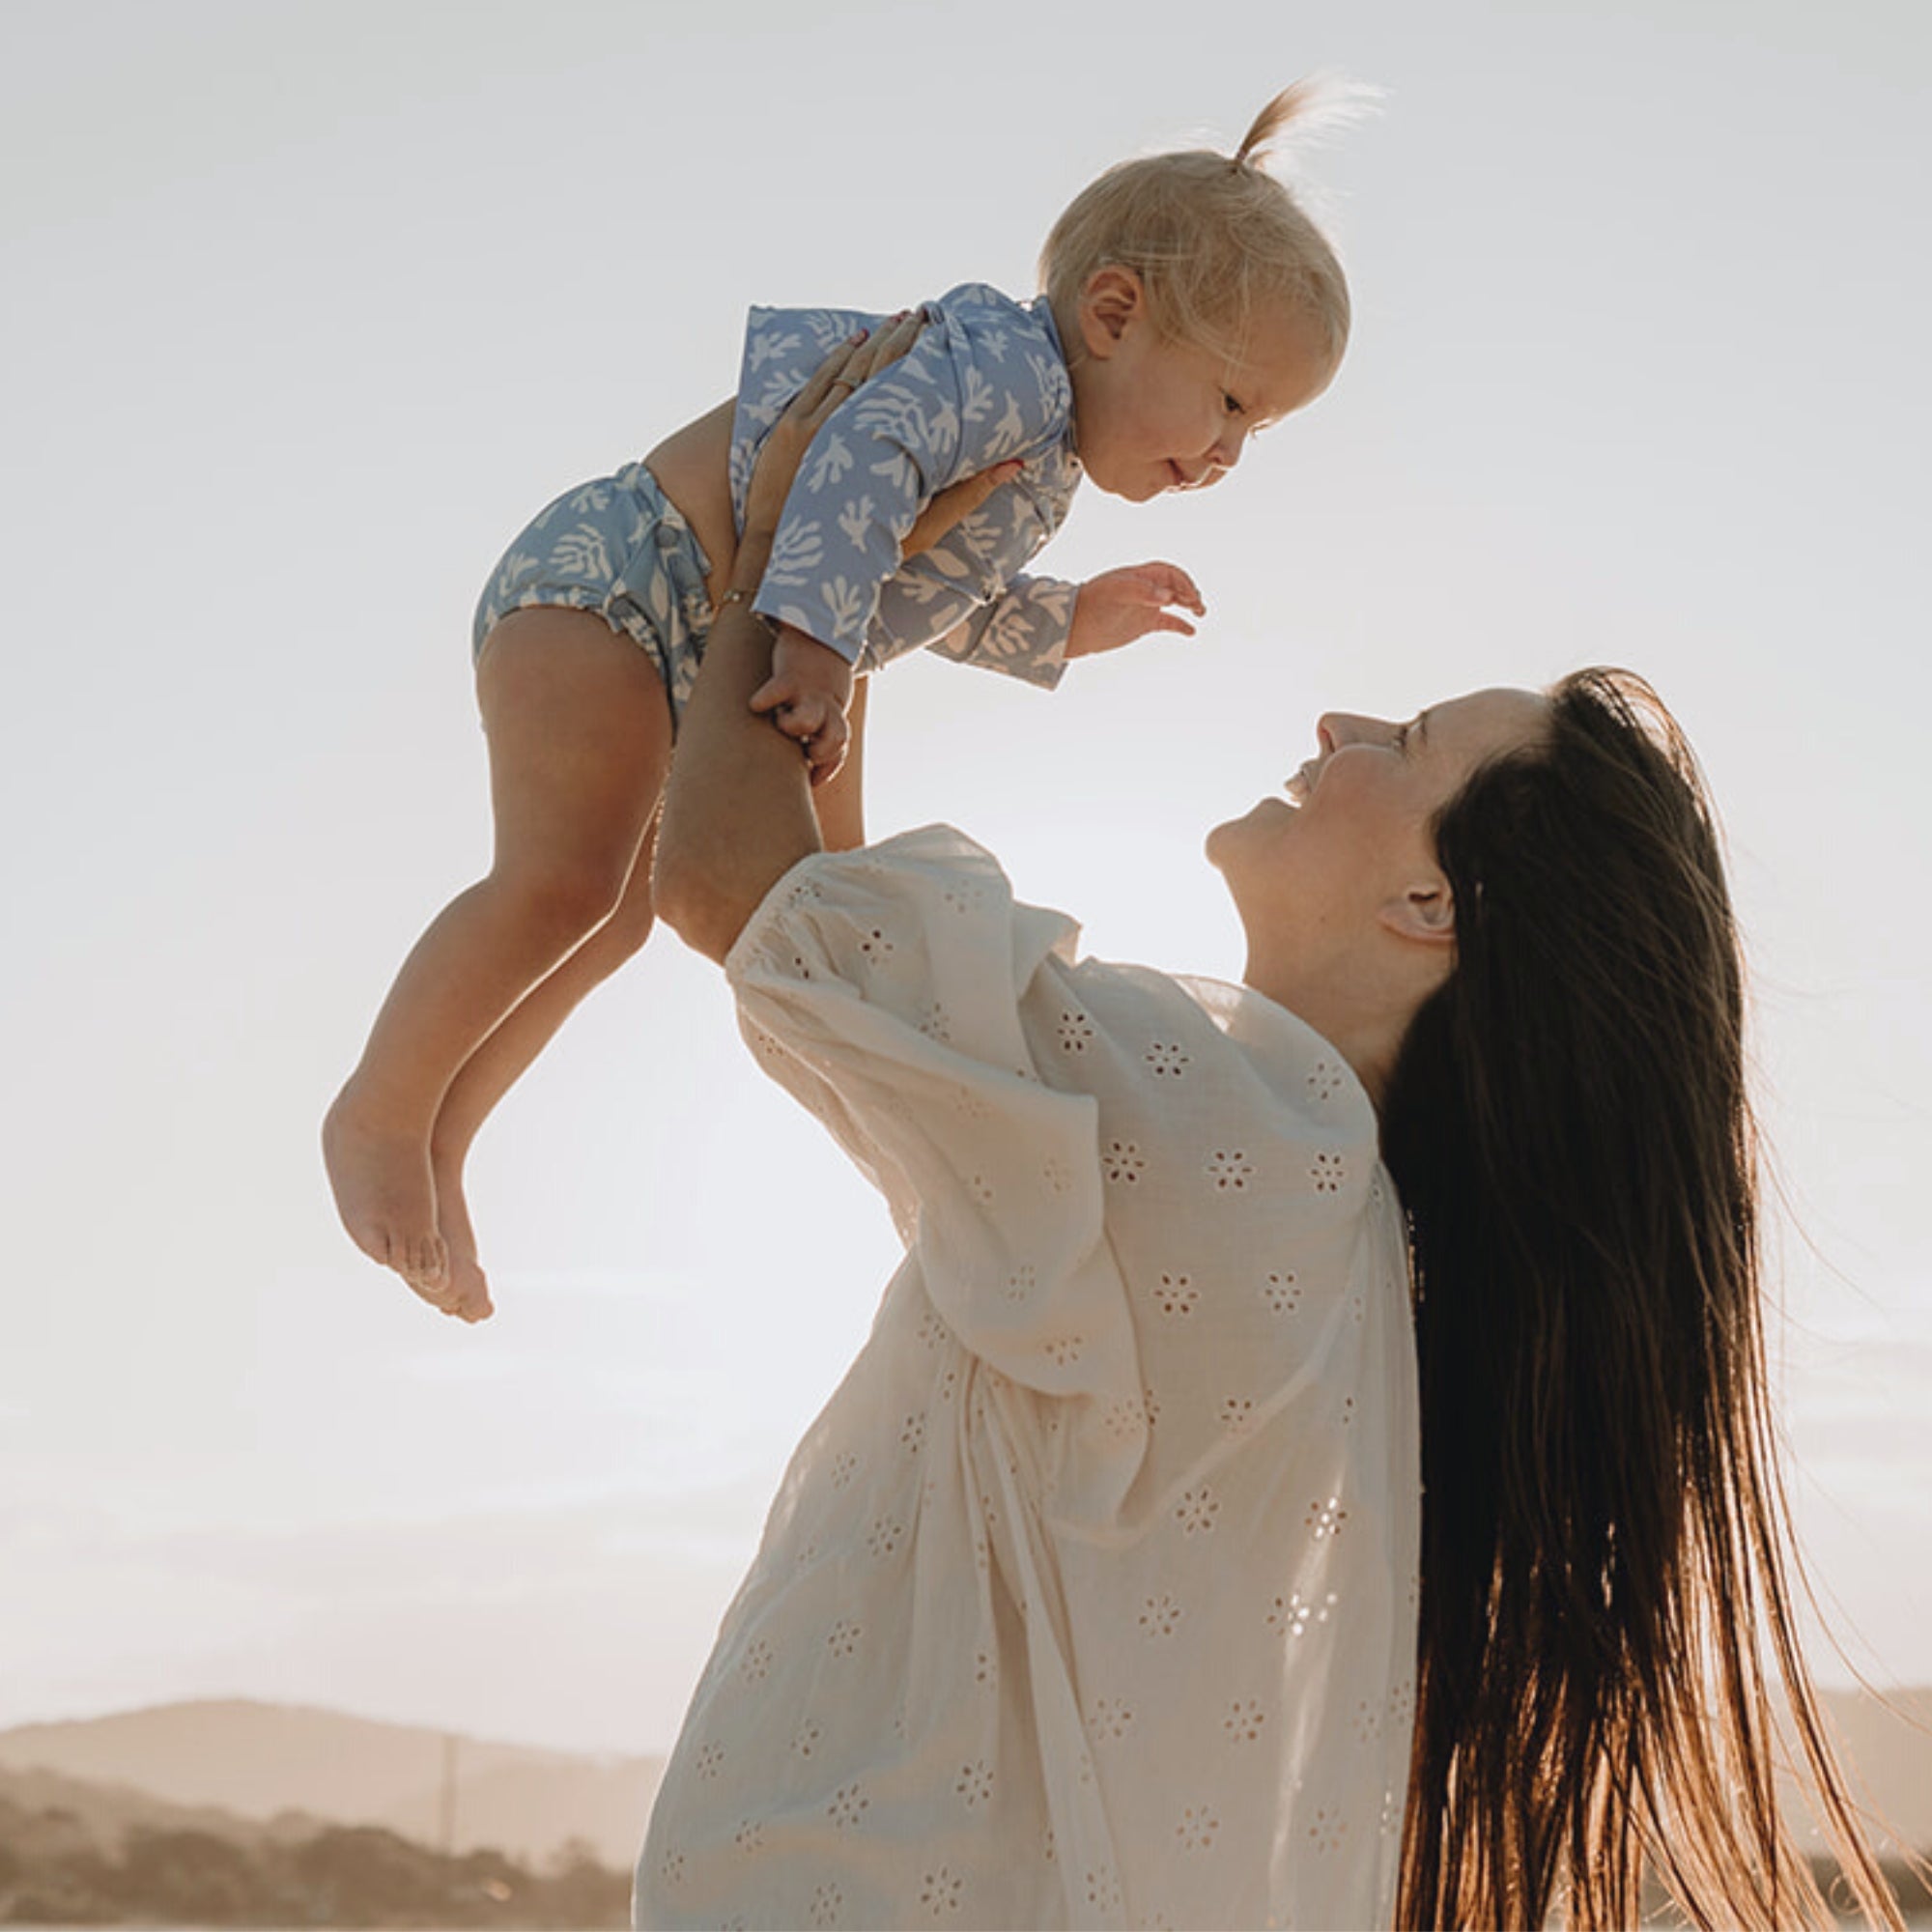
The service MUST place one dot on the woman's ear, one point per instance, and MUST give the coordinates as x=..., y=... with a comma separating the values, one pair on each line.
x=1114, y=297
x=1425, y=913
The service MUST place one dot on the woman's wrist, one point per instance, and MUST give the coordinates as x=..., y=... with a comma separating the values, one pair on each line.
x=748, y=567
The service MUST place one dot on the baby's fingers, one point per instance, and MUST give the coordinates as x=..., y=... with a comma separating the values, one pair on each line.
x=803, y=715
x=773, y=694
x=1173, y=586
x=825, y=749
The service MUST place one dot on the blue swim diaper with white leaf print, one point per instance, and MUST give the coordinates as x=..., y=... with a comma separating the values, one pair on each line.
x=621, y=547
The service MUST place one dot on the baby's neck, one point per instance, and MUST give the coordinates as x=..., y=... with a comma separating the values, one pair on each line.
x=1066, y=324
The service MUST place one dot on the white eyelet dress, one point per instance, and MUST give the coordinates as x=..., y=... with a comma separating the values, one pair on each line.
x=1090, y=1599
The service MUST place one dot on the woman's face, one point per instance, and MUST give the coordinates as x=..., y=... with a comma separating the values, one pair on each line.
x=1346, y=849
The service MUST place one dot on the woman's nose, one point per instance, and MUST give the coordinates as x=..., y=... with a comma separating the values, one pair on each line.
x=1335, y=728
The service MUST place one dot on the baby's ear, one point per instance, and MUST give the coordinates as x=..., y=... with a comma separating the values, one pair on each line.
x=1113, y=298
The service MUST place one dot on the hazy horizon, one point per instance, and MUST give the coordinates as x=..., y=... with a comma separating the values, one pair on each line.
x=310, y=307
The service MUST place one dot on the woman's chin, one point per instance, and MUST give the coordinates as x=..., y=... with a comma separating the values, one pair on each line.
x=1225, y=839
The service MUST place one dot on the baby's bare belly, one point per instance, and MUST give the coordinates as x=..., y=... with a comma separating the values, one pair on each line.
x=693, y=466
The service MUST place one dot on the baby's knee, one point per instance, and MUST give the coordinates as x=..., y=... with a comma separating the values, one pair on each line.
x=630, y=922
x=569, y=900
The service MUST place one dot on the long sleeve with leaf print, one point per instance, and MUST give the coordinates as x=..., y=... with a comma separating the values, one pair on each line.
x=984, y=382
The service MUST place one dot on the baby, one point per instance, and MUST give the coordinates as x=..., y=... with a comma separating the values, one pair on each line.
x=1188, y=303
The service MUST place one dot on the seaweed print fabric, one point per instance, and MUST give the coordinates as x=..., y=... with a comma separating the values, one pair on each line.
x=984, y=382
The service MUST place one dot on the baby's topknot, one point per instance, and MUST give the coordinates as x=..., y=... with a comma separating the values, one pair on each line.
x=1215, y=238
x=1303, y=111
x=1270, y=122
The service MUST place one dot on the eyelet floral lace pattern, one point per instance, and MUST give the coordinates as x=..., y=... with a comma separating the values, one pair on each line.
x=1117, y=1480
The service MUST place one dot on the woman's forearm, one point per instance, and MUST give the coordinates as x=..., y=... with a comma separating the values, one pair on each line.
x=737, y=811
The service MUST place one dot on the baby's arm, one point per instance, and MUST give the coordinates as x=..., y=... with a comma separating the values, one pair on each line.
x=936, y=418
x=1034, y=627
x=810, y=687
x=810, y=690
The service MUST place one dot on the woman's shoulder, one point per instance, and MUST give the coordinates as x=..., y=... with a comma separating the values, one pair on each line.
x=934, y=880
x=1220, y=1050
x=928, y=860
x=1289, y=1052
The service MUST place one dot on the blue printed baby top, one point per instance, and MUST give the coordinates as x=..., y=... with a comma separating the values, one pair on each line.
x=984, y=382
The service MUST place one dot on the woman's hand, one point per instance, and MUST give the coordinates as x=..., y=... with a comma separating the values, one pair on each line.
x=737, y=810
x=806, y=693
x=848, y=368
x=1120, y=606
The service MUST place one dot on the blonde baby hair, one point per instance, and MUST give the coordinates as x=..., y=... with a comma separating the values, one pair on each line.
x=1215, y=238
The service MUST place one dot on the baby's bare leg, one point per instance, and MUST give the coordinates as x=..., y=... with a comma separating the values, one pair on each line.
x=496, y=1067
x=580, y=739
x=839, y=801
x=490, y=1073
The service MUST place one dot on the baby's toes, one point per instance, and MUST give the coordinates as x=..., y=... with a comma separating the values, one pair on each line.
x=469, y=1293
x=424, y=1265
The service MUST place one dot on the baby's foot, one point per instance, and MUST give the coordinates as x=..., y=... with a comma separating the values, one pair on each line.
x=468, y=1291
x=385, y=1196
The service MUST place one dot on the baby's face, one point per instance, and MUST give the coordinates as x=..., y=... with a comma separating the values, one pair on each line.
x=1154, y=414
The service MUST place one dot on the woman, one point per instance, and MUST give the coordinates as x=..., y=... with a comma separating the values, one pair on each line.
x=1093, y=1596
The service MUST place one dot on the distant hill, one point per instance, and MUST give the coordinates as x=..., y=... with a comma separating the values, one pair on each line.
x=262, y=1762
x=258, y=1760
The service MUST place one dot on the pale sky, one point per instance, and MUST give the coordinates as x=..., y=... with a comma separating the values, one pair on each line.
x=308, y=307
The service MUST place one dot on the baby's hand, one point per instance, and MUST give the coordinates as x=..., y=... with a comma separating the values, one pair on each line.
x=1118, y=605
x=806, y=694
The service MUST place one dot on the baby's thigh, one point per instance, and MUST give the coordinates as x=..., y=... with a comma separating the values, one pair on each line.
x=618, y=548
x=580, y=735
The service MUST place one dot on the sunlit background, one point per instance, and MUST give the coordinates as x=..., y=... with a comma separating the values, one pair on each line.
x=307, y=307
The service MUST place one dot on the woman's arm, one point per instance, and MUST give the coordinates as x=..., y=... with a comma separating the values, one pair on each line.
x=738, y=810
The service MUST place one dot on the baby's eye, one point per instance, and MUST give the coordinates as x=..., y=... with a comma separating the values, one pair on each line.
x=1231, y=405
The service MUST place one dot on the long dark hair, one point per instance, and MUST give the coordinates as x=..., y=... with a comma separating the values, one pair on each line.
x=1606, y=1618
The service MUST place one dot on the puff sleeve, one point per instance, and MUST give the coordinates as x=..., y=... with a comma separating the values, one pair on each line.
x=883, y=989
